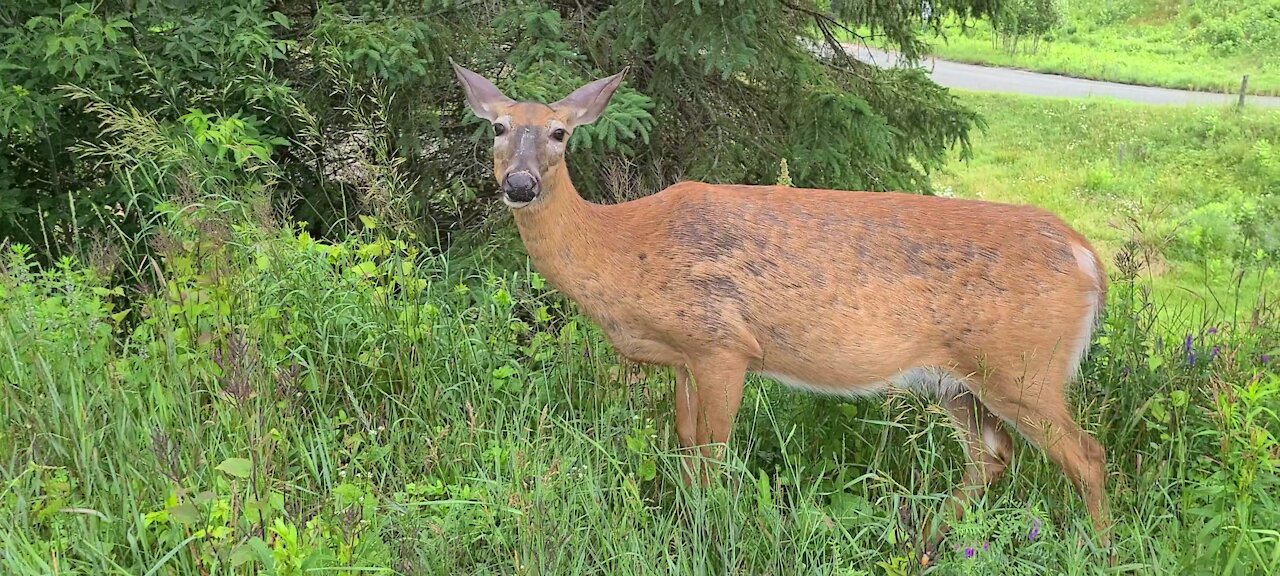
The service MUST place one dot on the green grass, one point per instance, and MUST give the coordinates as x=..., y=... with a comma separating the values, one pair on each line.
x=1120, y=172
x=1171, y=44
x=1134, y=55
x=310, y=407
x=263, y=403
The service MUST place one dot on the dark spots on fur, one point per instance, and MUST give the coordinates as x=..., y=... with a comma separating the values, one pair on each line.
x=939, y=316
x=914, y=255
x=964, y=340
x=643, y=256
x=1050, y=231
x=964, y=343
x=712, y=239
x=776, y=334
x=864, y=251
x=1057, y=252
x=826, y=227
x=779, y=338
x=760, y=269
x=718, y=287
x=705, y=319
x=932, y=260
x=892, y=224
x=818, y=276
x=1061, y=258
x=719, y=301
x=771, y=219
x=944, y=261
x=990, y=281
x=973, y=254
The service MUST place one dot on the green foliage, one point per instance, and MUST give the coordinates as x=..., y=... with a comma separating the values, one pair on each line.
x=278, y=404
x=355, y=105
x=1020, y=20
x=263, y=401
x=784, y=174
x=1190, y=45
x=257, y=394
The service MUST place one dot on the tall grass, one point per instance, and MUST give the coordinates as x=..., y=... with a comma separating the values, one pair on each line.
x=245, y=399
x=284, y=404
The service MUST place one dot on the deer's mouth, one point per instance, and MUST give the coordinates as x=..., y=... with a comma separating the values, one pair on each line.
x=513, y=203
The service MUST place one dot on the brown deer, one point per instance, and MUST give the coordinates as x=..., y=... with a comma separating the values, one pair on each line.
x=988, y=306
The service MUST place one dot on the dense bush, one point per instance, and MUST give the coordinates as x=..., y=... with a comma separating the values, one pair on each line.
x=355, y=103
x=1025, y=23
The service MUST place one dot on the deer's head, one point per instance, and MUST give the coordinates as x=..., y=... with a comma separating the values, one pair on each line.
x=530, y=137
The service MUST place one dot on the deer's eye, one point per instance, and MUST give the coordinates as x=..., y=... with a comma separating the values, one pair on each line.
x=499, y=129
x=558, y=134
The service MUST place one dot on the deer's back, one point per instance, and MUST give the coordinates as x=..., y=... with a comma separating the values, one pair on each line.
x=863, y=283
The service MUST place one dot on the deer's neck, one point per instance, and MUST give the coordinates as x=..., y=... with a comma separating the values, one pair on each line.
x=564, y=235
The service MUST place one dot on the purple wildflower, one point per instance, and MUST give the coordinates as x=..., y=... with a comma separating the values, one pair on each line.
x=1186, y=345
x=1213, y=354
x=1035, y=530
x=1213, y=329
x=969, y=552
x=1191, y=359
x=1265, y=358
x=986, y=546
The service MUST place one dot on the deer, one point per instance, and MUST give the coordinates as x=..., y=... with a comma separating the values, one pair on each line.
x=987, y=307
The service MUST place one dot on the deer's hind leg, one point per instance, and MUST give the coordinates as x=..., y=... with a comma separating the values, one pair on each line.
x=1039, y=411
x=987, y=448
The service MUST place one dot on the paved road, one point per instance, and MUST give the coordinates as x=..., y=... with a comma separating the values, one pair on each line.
x=984, y=78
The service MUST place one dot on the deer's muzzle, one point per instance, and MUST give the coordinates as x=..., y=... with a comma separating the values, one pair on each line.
x=521, y=186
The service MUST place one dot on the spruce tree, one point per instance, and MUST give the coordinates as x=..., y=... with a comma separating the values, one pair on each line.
x=354, y=103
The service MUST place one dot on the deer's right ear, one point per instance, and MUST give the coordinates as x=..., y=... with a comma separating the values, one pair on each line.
x=485, y=100
x=587, y=103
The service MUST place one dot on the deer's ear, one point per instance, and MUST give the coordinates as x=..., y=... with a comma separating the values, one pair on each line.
x=586, y=104
x=484, y=99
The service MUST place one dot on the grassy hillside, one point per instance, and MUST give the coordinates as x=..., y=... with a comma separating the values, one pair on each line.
x=264, y=403
x=1170, y=43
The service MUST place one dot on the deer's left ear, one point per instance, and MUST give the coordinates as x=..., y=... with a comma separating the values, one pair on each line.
x=482, y=96
x=586, y=104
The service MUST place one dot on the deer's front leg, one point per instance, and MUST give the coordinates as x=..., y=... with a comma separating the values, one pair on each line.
x=687, y=421
x=716, y=394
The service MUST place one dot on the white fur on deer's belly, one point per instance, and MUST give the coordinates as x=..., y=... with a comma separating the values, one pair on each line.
x=928, y=380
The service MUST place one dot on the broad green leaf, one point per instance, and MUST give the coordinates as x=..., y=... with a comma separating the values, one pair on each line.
x=185, y=513
x=648, y=470
x=238, y=467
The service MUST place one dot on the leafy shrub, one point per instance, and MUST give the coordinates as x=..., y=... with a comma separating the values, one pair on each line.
x=1026, y=19
x=279, y=404
x=1098, y=179
x=359, y=105
x=1212, y=230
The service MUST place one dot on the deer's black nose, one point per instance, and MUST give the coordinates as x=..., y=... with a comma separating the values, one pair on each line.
x=520, y=186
